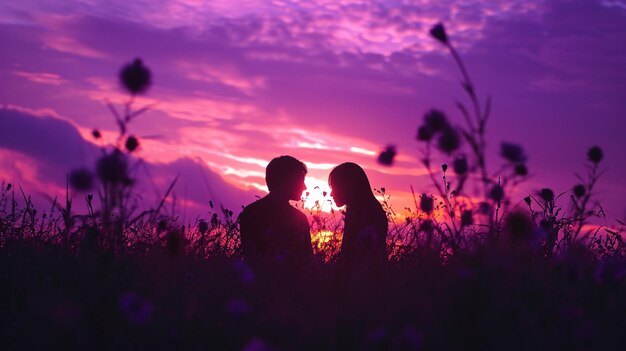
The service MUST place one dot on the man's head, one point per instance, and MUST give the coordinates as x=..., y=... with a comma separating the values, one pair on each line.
x=284, y=176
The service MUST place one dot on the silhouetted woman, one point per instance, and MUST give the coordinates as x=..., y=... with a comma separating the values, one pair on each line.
x=365, y=230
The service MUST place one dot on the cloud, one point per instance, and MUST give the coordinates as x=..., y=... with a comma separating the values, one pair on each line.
x=53, y=142
x=41, y=77
x=50, y=147
x=200, y=185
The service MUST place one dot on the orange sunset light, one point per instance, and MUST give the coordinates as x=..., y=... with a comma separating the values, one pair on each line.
x=317, y=195
x=321, y=238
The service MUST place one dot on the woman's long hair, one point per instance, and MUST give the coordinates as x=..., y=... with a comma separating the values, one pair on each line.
x=353, y=182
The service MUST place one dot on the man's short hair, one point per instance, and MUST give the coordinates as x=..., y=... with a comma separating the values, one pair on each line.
x=282, y=170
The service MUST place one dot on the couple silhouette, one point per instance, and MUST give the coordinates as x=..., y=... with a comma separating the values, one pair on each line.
x=275, y=236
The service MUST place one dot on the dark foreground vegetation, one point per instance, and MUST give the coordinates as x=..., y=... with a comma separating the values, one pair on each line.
x=503, y=294
x=465, y=272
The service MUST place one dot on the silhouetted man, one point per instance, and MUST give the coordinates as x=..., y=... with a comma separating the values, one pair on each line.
x=274, y=235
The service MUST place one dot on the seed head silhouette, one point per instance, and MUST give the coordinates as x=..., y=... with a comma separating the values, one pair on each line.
x=546, y=194
x=512, y=152
x=595, y=154
x=579, y=190
x=387, y=156
x=496, y=193
x=449, y=141
x=435, y=120
x=136, y=77
x=132, y=143
x=438, y=32
x=460, y=165
x=426, y=203
x=521, y=170
x=81, y=179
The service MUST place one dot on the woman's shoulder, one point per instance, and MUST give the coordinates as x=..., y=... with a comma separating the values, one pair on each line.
x=377, y=211
x=379, y=217
x=373, y=212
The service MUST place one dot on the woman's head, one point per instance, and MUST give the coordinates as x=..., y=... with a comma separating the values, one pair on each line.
x=349, y=184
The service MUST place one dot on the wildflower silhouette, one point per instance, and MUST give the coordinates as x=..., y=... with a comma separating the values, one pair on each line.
x=424, y=133
x=81, y=179
x=449, y=140
x=519, y=226
x=546, y=194
x=386, y=157
x=496, y=193
x=528, y=200
x=579, y=190
x=512, y=152
x=467, y=218
x=203, y=227
x=521, y=170
x=460, y=166
x=136, y=77
x=465, y=146
x=439, y=33
x=426, y=203
x=132, y=143
x=112, y=168
x=595, y=154
x=435, y=121
x=112, y=175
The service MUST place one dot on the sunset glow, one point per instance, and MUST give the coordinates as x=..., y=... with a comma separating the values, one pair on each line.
x=317, y=196
x=321, y=238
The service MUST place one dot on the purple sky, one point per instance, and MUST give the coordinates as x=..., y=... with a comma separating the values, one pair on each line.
x=239, y=82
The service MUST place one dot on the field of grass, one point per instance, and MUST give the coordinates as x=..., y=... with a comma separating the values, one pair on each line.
x=504, y=293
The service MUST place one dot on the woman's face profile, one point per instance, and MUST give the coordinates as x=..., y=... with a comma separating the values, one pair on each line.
x=338, y=193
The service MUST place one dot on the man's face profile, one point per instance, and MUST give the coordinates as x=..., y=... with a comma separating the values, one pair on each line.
x=296, y=187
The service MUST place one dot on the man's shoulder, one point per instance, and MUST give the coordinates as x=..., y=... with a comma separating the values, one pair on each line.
x=296, y=212
x=268, y=209
x=298, y=215
x=254, y=209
